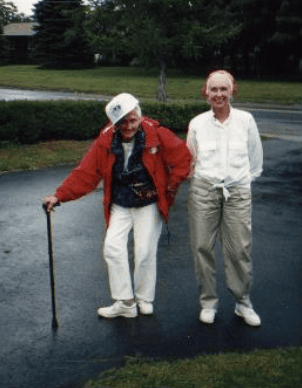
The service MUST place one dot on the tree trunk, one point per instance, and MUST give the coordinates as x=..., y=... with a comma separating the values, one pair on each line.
x=161, y=94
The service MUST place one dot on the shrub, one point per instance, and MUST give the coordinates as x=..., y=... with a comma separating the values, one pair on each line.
x=175, y=116
x=27, y=122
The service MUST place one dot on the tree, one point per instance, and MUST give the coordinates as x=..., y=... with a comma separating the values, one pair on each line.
x=270, y=39
x=60, y=40
x=162, y=32
x=105, y=31
x=287, y=37
x=7, y=14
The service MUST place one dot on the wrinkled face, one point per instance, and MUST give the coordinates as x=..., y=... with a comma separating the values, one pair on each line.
x=129, y=125
x=219, y=91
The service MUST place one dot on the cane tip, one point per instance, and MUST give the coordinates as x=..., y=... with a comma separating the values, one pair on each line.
x=55, y=325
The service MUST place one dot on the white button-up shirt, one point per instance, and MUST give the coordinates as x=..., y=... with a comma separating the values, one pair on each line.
x=226, y=154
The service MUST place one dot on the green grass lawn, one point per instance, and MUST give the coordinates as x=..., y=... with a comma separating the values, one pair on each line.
x=140, y=82
x=29, y=157
x=279, y=368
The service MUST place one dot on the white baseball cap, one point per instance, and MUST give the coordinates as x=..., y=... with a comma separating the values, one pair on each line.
x=120, y=106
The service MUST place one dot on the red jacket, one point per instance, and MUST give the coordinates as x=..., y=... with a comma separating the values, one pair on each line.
x=165, y=156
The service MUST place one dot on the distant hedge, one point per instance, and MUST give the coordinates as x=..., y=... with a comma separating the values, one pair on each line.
x=28, y=122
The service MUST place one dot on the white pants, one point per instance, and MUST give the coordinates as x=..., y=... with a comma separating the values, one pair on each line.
x=147, y=225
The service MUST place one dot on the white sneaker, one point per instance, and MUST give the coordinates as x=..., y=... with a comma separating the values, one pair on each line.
x=248, y=314
x=118, y=309
x=145, y=308
x=207, y=315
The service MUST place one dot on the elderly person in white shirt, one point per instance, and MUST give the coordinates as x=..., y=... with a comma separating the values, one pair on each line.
x=227, y=155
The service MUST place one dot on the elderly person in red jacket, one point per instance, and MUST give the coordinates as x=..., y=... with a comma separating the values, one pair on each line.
x=142, y=165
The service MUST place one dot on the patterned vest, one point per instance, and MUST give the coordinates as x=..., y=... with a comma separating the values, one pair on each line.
x=131, y=186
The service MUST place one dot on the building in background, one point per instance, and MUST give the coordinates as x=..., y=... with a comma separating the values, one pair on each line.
x=20, y=38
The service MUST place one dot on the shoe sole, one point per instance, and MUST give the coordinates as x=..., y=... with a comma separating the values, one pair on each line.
x=247, y=322
x=207, y=322
x=144, y=313
x=117, y=315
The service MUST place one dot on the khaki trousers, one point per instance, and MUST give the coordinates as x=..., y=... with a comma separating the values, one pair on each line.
x=211, y=216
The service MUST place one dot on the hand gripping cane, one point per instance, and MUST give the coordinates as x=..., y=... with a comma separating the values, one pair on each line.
x=55, y=322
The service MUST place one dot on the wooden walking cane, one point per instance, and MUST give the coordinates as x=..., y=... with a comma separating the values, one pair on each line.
x=55, y=322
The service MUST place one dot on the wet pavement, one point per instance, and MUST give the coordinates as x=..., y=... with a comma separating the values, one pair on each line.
x=33, y=355
x=11, y=94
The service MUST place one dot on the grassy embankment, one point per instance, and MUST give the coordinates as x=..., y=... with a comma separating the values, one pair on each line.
x=280, y=368
x=110, y=81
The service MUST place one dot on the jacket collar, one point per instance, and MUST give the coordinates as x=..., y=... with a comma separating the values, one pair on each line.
x=147, y=125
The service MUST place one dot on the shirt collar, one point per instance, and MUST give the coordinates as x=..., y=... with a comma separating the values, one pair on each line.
x=226, y=121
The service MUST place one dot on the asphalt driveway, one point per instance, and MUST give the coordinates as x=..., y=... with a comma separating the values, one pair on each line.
x=33, y=355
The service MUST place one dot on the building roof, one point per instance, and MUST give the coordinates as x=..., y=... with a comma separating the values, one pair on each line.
x=19, y=29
